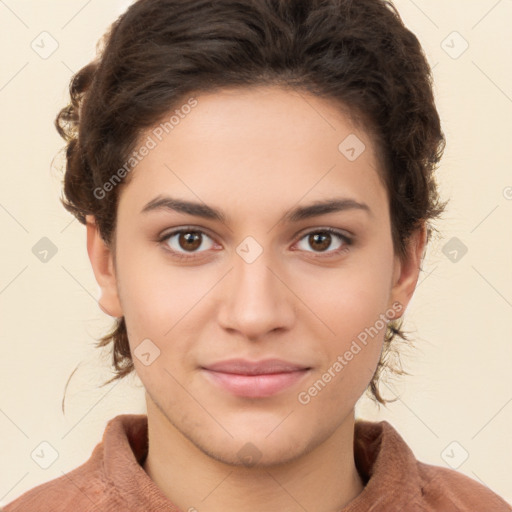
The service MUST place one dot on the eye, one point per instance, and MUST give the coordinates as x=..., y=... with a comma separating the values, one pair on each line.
x=186, y=240
x=322, y=239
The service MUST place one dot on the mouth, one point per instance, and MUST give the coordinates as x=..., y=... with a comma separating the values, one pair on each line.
x=255, y=379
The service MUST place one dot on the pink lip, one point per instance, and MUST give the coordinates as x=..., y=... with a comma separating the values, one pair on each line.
x=256, y=379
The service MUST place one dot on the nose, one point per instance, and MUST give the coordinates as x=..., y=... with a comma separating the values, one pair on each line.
x=256, y=298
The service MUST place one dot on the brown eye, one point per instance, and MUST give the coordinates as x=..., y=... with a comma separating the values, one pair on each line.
x=185, y=241
x=325, y=241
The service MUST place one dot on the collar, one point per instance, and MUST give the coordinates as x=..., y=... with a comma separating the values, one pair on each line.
x=386, y=464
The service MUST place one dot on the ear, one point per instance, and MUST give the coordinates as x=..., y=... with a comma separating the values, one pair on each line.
x=102, y=262
x=406, y=271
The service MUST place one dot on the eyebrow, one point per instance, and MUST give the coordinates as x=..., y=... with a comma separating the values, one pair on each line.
x=295, y=215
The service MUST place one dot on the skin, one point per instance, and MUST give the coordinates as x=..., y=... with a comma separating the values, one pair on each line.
x=254, y=154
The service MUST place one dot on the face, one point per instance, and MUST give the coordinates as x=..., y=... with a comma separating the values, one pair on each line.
x=251, y=272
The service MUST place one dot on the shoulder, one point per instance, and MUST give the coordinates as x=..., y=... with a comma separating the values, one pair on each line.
x=443, y=487
x=395, y=478
x=88, y=487
x=80, y=490
x=84, y=489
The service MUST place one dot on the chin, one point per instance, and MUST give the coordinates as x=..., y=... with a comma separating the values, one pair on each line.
x=253, y=454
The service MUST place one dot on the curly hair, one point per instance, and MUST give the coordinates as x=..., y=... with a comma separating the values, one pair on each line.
x=357, y=54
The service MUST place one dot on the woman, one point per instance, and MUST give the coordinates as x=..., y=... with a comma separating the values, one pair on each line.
x=257, y=182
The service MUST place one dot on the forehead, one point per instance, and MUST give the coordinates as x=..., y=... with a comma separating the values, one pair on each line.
x=260, y=145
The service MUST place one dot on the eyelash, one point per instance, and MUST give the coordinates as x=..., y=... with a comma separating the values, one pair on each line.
x=347, y=241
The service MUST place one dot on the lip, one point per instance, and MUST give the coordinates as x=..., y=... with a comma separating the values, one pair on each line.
x=262, y=367
x=255, y=379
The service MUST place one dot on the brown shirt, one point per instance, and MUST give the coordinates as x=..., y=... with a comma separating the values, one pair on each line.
x=113, y=480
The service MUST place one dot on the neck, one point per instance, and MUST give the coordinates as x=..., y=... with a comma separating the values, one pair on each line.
x=324, y=479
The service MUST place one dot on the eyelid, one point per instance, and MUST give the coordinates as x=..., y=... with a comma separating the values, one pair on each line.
x=322, y=229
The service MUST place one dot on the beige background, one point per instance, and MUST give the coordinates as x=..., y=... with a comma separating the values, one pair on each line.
x=459, y=389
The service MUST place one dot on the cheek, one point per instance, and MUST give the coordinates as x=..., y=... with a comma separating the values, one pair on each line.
x=156, y=296
x=353, y=303
x=353, y=296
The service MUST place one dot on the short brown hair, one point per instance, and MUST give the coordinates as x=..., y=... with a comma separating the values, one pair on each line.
x=358, y=55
